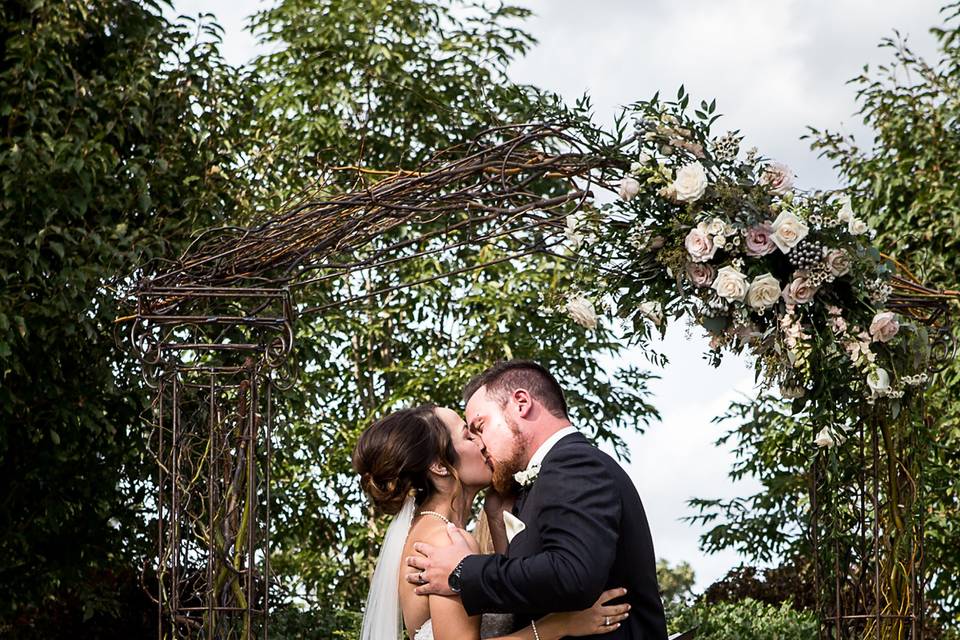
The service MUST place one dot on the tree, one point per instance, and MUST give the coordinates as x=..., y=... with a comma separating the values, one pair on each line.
x=382, y=86
x=116, y=126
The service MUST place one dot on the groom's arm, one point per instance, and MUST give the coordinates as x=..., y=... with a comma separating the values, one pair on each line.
x=578, y=525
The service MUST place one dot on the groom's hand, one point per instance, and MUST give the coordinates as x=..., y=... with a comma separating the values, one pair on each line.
x=435, y=564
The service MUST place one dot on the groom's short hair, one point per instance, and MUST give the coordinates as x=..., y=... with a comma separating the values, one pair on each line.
x=503, y=378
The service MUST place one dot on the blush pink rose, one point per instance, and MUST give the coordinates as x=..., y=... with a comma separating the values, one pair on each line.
x=884, y=326
x=700, y=274
x=759, y=240
x=800, y=291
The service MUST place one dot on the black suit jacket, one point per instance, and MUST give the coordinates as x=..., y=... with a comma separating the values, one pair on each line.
x=586, y=532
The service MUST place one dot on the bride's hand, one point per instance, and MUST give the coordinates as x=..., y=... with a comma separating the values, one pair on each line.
x=494, y=504
x=597, y=619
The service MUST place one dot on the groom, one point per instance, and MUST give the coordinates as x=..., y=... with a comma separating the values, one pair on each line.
x=582, y=527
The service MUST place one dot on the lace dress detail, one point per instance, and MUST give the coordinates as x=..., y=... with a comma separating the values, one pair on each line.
x=425, y=632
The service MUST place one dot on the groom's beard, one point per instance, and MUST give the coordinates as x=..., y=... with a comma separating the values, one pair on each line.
x=503, y=470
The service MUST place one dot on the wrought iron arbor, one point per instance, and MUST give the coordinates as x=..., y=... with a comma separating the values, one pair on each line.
x=214, y=331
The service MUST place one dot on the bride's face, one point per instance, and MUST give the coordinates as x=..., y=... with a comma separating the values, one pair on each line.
x=472, y=467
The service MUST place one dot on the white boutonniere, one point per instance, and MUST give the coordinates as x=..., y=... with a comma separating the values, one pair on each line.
x=526, y=477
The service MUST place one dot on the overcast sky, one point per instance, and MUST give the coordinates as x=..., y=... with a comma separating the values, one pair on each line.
x=774, y=67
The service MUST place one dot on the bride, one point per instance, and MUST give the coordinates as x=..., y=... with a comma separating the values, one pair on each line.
x=423, y=466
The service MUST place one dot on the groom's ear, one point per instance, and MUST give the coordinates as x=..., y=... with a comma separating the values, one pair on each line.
x=523, y=401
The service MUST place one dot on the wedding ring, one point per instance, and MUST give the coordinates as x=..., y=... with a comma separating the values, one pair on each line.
x=422, y=581
x=606, y=621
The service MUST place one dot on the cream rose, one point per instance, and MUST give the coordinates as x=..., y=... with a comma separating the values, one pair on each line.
x=824, y=439
x=788, y=231
x=700, y=274
x=690, y=183
x=879, y=381
x=699, y=245
x=857, y=227
x=629, y=188
x=582, y=312
x=730, y=284
x=800, y=291
x=764, y=292
x=845, y=213
x=884, y=326
x=778, y=177
x=838, y=262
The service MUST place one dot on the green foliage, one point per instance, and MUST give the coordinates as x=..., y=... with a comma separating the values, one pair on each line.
x=113, y=129
x=378, y=84
x=745, y=620
x=676, y=585
x=381, y=85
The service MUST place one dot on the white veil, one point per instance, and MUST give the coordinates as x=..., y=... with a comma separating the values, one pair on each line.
x=382, y=619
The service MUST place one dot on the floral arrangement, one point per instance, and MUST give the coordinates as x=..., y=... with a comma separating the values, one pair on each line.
x=701, y=229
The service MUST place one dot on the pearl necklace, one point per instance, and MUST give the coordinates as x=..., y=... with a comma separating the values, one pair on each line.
x=435, y=514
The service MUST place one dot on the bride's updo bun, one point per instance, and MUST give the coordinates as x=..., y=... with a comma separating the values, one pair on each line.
x=394, y=454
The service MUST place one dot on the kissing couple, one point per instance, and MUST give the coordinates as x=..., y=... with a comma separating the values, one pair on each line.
x=561, y=548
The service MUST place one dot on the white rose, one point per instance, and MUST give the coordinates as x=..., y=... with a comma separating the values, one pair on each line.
x=824, y=439
x=788, y=231
x=690, y=183
x=720, y=241
x=845, y=213
x=879, y=381
x=629, y=188
x=652, y=310
x=857, y=227
x=884, y=326
x=582, y=312
x=699, y=245
x=716, y=227
x=730, y=284
x=764, y=292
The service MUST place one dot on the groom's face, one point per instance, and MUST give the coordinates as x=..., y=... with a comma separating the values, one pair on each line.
x=502, y=440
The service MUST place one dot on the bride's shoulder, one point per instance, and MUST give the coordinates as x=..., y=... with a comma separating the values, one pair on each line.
x=434, y=532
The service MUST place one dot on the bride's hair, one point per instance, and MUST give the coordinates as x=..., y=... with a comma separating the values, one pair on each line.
x=394, y=454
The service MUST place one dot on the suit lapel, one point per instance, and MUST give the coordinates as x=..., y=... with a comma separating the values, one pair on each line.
x=524, y=492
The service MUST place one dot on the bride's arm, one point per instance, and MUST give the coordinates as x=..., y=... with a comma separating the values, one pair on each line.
x=493, y=507
x=589, y=622
x=447, y=615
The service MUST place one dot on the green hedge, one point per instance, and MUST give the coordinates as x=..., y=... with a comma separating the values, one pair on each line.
x=325, y=624
x=745, y=620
